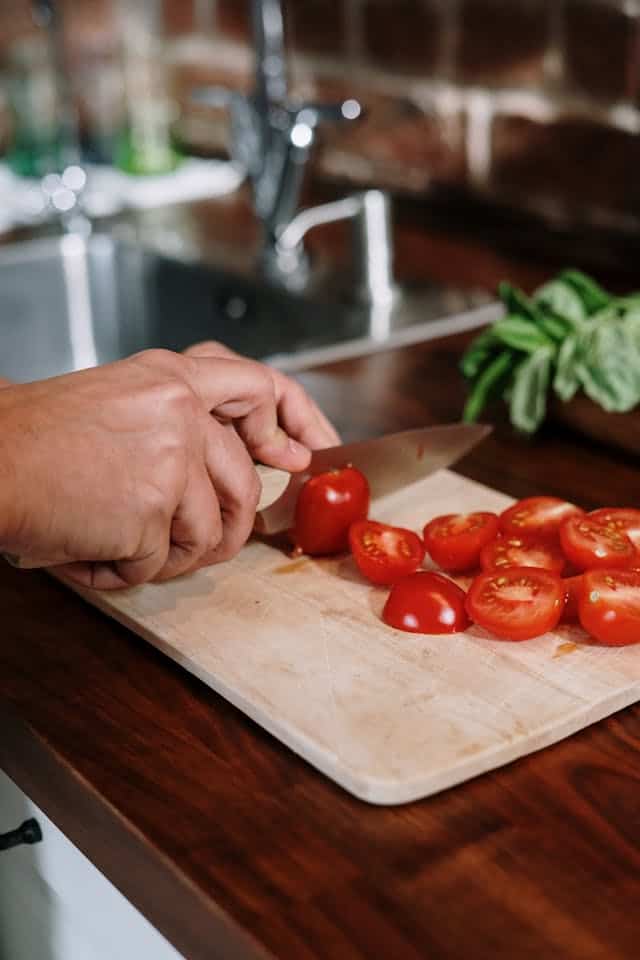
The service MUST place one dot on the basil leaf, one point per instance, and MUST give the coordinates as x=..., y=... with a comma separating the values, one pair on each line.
x=489, y=381
x=555, y=327
x=529, y=396
x=566, y=382
x=517, y=302
x=562, y=300
x=520, y=334
x=477, y=353
x=610, y=369
x=592, y=295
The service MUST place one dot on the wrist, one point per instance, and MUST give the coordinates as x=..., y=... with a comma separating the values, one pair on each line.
x=11, y=522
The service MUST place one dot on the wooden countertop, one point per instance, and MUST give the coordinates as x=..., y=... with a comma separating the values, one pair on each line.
x=235, y=848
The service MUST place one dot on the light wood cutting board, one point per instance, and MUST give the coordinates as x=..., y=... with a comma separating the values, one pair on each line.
x=390, y=716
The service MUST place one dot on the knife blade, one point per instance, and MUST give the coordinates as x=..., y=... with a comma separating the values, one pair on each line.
x=389, y=463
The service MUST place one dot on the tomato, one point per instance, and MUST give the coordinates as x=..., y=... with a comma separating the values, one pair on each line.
x=537, y=516
x=589, y=544
x=610, y=606
x=572, y=593
x=521, y=552
x=327, y=506
x=383, y=553
x=623, y=519
x=454, y=541
x=426, y=602
x=517, y=603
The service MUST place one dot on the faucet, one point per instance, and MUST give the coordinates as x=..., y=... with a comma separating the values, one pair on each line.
x=271, y=139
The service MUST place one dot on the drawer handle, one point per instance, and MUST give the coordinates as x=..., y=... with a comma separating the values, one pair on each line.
x=27, y=832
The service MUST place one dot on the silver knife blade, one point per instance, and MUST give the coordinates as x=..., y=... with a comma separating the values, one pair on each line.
x=389, y=463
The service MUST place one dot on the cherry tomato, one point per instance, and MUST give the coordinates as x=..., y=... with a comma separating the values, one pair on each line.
x=383, y=553
x=426, y=602
x=327, y=506
x=517, y=603
x=454, y=541
x=572, y=593
x=521, y=552
x=590, y=544
x=537, y=516
x=610, y=606
x=623, y=519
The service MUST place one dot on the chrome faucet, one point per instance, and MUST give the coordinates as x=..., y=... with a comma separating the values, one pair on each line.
x=271, y=138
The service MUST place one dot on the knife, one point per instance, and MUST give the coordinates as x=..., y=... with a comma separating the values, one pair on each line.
x=389, y=463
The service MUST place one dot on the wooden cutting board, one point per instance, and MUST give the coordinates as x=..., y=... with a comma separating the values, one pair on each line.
x=390, y=716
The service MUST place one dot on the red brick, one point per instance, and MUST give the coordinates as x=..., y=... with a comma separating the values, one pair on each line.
x=572, y=162
x=602, y=49
x=403, y=35
x=502, y=41
x=311, y=28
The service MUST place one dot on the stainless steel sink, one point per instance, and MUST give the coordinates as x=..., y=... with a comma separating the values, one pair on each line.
x=68, y=303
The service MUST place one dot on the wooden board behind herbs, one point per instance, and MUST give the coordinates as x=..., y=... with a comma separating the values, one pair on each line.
x=570, y=339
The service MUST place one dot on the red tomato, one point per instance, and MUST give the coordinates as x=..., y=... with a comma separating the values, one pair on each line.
x=517, y=603
x=426, y=602
x=537, y=516
x=610, y=606
x=589, y=544
x=384, y=554
x=327, y=506
x=572, y=593
x=623, y=519
x=455, y=540
x=520, y=552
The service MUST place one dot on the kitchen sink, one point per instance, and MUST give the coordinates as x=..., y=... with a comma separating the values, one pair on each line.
x=68, y=302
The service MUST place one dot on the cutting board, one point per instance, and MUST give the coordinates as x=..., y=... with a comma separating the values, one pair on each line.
x=390, y=716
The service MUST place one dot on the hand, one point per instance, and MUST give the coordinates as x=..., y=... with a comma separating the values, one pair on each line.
x=122, y=474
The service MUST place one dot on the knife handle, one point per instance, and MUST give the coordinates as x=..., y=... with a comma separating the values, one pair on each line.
x=274, y=483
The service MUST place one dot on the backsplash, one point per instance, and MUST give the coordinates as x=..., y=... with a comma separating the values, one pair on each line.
x=533, y=103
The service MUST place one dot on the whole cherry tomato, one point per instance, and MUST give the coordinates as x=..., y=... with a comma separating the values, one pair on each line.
x=426, y=602
x=609, y=606
x=327, y=506
x=590, y=544
x=454, y=541
x=518, y=603
x=515, y=551
x=537, y=517
x=383, y=553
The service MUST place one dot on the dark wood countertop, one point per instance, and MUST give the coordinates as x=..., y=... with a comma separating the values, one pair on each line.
x=233, y=847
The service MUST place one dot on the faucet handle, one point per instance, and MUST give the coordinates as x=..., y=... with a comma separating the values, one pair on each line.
x=311, y=115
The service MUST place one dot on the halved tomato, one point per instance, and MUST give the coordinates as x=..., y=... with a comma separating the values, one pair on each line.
x=454, y=541
x=610, y=606
x=426, y=602
x=623, y=519
x=572, y=593
x=590, y=544
x=327, y=506
x=521, y=552
x=518, y=603
x=537, y=516
x=383, y=553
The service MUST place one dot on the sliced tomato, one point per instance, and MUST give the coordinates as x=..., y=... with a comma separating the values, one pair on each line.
x=537, y=516
x=327, y=506
x=383, y=553
x=610, y=606
x=522, y=552
x=454, y=541
x=517, y=603
x=590, y=544
x=572, y=593
x=623, y=519
x=426, y=602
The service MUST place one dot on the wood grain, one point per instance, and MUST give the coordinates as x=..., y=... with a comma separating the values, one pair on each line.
x=229, y=842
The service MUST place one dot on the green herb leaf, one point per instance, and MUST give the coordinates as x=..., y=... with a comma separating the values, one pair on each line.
x=488, y=383
x=592, y=295
x=566, y=381
x=529, y=395
x=517, y=302
x=520, y=334
x=477, y=353
x=562, y=300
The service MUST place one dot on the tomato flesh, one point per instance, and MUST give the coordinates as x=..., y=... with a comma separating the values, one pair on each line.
x=426, y=602
x=572, y=593
x=384, y=553
x=609, y=606
x=537, y=517
x=590, y=544
x=518, y=603
x=454, y=541
x=520, y=552
x=327, y=506
x=623, y=519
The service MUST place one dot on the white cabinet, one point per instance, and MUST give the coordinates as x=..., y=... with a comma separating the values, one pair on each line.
x=55, y=905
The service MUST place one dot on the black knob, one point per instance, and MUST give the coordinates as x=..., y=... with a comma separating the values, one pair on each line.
x=27, y=832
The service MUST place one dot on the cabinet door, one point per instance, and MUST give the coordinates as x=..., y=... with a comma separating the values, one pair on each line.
x=55, y=905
